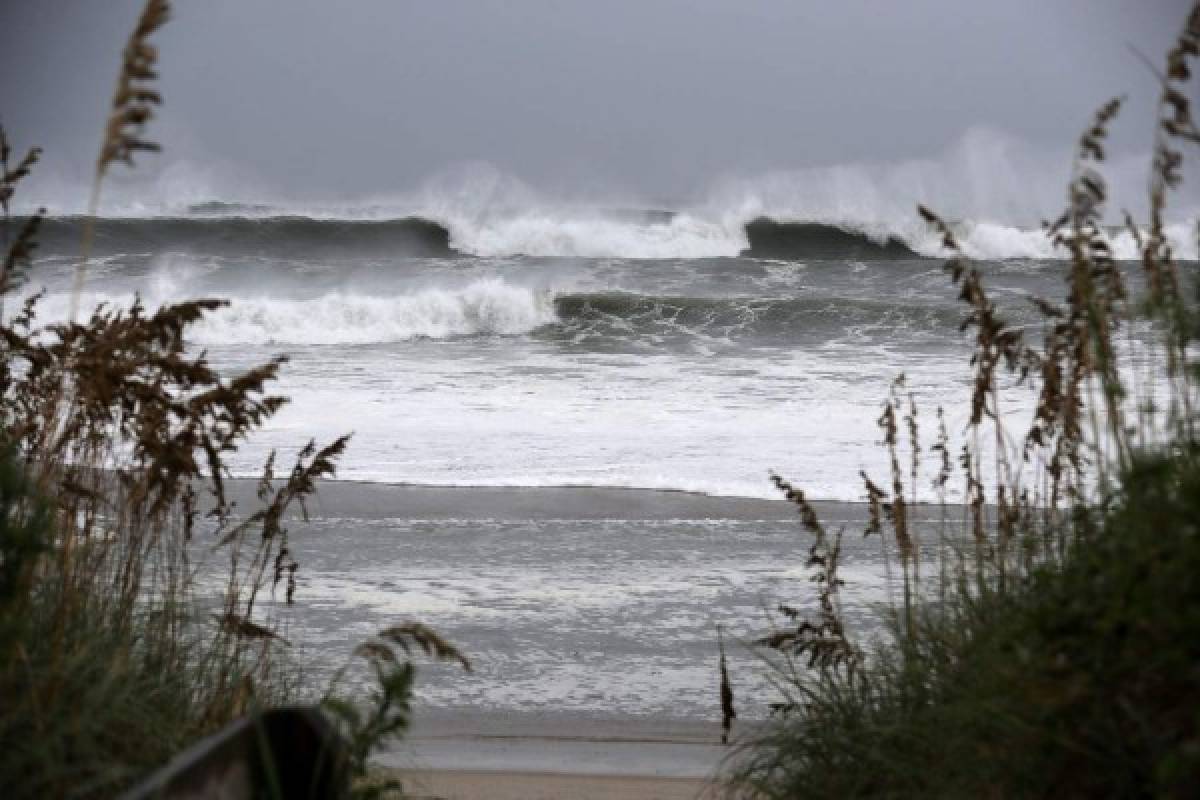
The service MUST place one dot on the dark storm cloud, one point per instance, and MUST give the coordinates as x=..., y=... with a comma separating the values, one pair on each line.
x=343, y=98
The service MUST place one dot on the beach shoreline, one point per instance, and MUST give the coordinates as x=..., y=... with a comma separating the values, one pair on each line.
x=467, y=755
x=514, y=785
x=361, y=499
x=588, y=613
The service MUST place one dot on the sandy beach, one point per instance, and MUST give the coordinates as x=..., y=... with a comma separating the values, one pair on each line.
x=520, y=757
x=468, y=785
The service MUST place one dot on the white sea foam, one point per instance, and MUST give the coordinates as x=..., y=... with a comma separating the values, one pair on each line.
x=485, y=306
x=992, y=241
x=490, y=213
x=684, y=236
x=687, y=236
x=488, y=306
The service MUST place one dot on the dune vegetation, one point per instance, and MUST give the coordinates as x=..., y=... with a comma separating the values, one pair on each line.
x=114, y=436
x=1047, y=639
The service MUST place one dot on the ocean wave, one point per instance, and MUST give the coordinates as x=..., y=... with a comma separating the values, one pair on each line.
x=492, y=307
x=680, y=236
x=216, y=232
x=995, y=186
x=485, y=307
x=757, y=319
x=769, y=238
x=605, y=234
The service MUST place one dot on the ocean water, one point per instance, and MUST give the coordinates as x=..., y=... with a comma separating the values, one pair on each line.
x=632, y=349
x=596, y=604
x=607, y=349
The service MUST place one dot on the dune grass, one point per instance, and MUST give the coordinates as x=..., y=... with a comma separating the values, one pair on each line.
x=114, y=436
x=1055, y=650
x=1081, y=680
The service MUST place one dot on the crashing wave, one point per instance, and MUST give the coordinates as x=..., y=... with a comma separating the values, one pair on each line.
x=493, y=307
x=770, y=238
x=485, y=307
x=281, y=236
x=641, y=235
x=998, y=188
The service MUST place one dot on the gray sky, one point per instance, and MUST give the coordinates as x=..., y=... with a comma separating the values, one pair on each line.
x=653, y=97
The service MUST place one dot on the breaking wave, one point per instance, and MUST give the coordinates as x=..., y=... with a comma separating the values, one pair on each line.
x=485, y=307
x=632, y=235
x=492, y=307
x=284, y=236
x=481, y=308
x=997, y=187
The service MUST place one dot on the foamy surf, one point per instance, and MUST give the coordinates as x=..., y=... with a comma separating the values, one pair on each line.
x=485, y=307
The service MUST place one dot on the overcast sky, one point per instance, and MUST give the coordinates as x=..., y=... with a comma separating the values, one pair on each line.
x=654, y=97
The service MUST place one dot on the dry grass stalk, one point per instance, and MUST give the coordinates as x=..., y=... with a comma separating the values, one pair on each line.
x=821, y=642
x=135, y=97
x=728, y=713
x=132, y=108
x=1175, y=125
x=11, y=174
x=18, y=252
